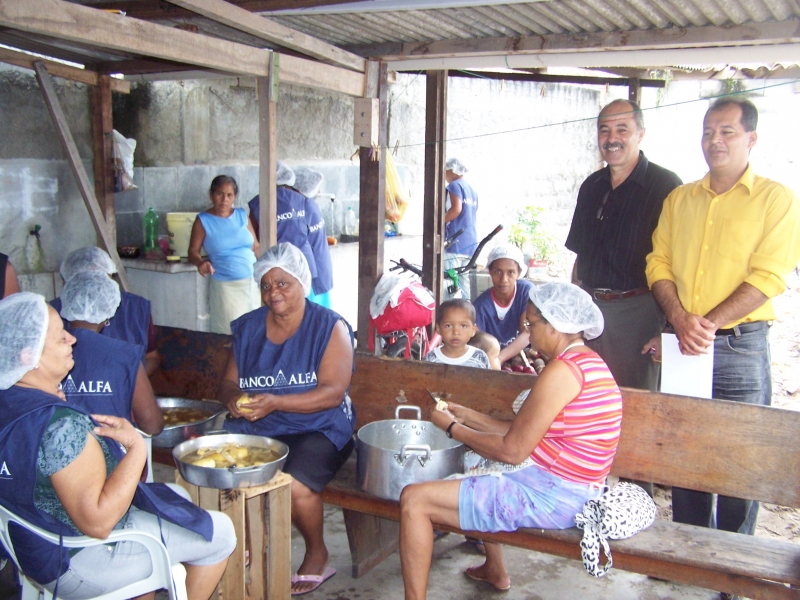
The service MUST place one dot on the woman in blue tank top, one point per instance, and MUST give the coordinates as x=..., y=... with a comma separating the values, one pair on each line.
x=109, y=377
x=230, y=242
x=72, y=474
x=288, y=378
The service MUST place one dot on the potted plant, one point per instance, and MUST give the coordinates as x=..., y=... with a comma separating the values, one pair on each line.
x=528, y=233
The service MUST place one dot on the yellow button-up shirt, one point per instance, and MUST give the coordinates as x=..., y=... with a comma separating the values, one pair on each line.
x=708, y=244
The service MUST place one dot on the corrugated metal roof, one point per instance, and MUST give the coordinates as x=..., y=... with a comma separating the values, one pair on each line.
x=362, y=29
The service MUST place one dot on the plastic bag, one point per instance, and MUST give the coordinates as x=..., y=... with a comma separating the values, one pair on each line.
x=396, y=197
x=123, y=162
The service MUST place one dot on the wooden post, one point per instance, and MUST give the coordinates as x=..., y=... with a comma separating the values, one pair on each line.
x=73, y=157
x=102, y=130
x=267, y=91
x=635, y=90
x=372, y=204
x=435, y=157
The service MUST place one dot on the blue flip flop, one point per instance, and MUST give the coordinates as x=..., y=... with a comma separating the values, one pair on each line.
x=317, y=580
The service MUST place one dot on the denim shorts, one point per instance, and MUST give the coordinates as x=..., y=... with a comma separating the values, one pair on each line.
x=531, y=497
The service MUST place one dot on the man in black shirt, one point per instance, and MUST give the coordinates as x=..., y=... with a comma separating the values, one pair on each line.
x=617, y=211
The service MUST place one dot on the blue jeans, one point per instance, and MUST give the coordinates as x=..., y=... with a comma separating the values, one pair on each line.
x=742, y=374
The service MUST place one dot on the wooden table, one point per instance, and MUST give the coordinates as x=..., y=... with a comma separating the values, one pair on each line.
x=268, y=543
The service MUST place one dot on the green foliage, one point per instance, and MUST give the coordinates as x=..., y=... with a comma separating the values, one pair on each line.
x=528, y=233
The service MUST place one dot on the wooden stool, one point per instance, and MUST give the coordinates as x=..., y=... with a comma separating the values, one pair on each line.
x=245, y=507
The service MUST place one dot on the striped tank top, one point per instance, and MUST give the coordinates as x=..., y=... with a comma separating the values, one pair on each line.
x=581, y=443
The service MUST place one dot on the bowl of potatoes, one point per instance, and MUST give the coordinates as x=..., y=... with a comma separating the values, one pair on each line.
x=230, y=460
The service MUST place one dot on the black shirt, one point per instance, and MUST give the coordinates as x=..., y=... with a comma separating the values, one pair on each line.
x=612, y=230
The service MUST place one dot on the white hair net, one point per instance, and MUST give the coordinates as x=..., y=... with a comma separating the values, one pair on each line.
x=568, y=308
x=90, y=258
x=287, y=257
x=284, y=174
x=23, y=327
x=456, y=166
x=308, y=181
x=90, y=296
x=509, y=251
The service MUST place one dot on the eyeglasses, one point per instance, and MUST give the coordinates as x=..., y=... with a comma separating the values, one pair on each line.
x=601, y=210
x=529, y=324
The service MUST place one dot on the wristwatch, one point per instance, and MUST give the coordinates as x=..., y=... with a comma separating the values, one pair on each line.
x=449, y=429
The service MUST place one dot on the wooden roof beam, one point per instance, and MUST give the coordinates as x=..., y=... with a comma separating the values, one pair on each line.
x=260, y=27
x=21, y=59
x=782, y=32
x=74, y=22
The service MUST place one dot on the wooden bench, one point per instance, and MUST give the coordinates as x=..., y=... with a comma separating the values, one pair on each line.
x=715, y=446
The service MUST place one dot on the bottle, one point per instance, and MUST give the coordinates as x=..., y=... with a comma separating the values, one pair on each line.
x=350, y=222
x=150, y=230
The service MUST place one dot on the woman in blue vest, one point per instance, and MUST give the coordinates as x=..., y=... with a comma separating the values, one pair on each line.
x=71, y=474
x=298, y=224
x=309, y=182
x=288, y=378
x=132, y=322
x=461, y=213
x=108, y=377
x=230, y=242
x=500, y=309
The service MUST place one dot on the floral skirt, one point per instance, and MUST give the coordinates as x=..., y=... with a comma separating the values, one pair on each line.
x=531, y=497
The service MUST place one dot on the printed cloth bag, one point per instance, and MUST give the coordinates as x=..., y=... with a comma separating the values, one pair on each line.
x=620, y=513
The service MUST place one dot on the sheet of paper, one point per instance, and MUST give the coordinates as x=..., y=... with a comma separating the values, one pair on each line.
x=685, y=375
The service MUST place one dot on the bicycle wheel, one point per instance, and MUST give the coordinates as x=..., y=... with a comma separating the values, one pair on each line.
x=398, y=347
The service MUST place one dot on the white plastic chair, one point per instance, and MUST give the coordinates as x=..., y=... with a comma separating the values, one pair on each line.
x=164, y=576
x=148, y=440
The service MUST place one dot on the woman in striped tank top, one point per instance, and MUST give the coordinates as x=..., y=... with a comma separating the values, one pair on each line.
x=569, y=426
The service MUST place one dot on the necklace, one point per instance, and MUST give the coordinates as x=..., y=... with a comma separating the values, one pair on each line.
x=572, y=345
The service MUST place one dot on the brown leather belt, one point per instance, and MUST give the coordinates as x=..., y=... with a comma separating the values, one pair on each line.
x=607, y=295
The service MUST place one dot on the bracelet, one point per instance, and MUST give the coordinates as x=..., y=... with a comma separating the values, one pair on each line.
x=449, y=428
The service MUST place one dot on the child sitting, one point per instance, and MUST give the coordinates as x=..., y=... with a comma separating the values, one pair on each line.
x=489, y=344
x=455, y=323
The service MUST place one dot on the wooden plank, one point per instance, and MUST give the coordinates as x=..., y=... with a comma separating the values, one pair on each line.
x=434, y=203
x=73, y=157
x=103, y=160
x=159, y=9
x=781, y=32
x=55, y=69
x=371, y=540
x=267, y=163
x=635, y=90
x=279, y=566
x=232, y=503
x=309, y=73
x=372, y=214
x=239, y=18
x=547, y=78
x=257, y=544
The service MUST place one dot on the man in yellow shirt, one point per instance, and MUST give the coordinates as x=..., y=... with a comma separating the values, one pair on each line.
x=722, y=249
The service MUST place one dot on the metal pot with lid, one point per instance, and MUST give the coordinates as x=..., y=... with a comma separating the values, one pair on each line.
x=393, y=453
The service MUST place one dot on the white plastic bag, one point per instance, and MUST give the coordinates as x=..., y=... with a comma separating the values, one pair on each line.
x=123, y=162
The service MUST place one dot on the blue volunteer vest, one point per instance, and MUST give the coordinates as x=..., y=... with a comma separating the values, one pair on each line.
x=104, y=376
x=486, y=316
x=130, y=323
x=24, y=416
x=292, y=227
x=467, y=242
x=318, y=238
x=288, y=368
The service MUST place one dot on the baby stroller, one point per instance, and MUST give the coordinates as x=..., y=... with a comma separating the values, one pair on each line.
x=401, y=309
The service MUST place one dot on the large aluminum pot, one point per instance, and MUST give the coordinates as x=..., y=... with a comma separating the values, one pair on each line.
x=231, y=477
x=173, y=435
x=394, y=453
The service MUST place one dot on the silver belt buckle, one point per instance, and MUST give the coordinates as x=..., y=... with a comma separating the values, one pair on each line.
x=596, y=291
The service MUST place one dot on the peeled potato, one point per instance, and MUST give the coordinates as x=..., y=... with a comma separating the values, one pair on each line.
x=441, y=405
x=239, y=452
x=242, y=402
x=205, y=462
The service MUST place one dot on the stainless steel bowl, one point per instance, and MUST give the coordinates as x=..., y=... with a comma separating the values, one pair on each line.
x=231, y=477
x=175, y=434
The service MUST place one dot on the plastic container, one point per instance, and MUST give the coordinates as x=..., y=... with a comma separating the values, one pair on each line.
x=179, y=228
x=351, y=222
x=150, y=230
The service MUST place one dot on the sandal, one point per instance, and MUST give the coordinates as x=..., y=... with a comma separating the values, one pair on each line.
x=317, y=580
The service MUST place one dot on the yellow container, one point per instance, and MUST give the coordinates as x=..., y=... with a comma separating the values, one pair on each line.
x=179, y=228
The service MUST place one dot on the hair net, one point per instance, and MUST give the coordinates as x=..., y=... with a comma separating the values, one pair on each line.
x=90, y=258
x=307, y=181
x=568, y=308
x=456, y=166
x=23, y=327
x=511, y=252
x=290, y=259
x=90, y=296
x=284, y=174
